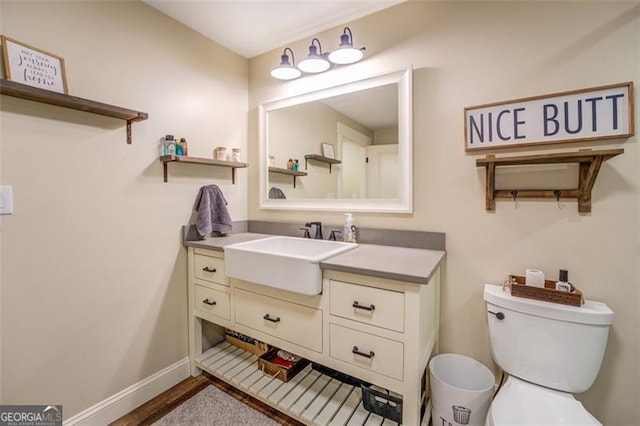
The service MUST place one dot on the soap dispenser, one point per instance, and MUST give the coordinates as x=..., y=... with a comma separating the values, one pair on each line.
x=349, y=229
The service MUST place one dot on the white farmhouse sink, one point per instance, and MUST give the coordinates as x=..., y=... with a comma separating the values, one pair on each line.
x=287, y=263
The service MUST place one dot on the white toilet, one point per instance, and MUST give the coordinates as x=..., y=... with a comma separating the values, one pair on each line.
x=548, y=351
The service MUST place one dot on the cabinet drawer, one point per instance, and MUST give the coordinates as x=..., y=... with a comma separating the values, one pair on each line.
x=209, y=268
x=288, y=321
x=212, y=301
x=374, y=353
x=382, y=308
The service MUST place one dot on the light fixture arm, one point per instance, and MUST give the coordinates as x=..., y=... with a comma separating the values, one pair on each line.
x=285, y=57
x=313, y=50
x=346, y=39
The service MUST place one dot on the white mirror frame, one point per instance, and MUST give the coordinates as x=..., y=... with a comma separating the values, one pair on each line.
x=402, y=204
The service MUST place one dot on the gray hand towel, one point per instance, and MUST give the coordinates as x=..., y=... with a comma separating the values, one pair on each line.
x=276, y=193
x=212, y=211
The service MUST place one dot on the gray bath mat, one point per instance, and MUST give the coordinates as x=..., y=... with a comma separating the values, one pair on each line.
x=211, y=406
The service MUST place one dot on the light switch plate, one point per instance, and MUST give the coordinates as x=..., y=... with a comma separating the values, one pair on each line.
x=6, y=200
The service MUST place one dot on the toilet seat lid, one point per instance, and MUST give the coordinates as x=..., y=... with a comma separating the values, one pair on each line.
x=523, y=403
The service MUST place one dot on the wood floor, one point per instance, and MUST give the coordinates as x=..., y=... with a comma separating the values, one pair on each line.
x=161, y=405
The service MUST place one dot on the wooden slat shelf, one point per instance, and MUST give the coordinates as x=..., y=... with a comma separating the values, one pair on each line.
x=287, y=172
x=19, y=90
x=166, y=159
x=320, y=158
x=310, y=397
x=589, y=161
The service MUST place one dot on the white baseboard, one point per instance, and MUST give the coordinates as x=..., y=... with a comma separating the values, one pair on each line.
x=135, y=395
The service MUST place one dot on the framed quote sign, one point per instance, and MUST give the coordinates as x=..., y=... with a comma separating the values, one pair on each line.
x=32, y=66
x=604, y=112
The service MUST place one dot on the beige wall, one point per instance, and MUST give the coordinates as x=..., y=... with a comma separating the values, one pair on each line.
x=466, y=54
x=93, y=270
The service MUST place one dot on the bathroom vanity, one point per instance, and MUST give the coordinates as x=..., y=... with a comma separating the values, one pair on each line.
x=376, y=319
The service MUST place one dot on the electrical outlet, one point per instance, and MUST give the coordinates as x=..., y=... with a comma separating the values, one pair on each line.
x=6, y=200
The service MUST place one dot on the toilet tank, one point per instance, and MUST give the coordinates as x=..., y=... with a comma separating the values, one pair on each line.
x=550, y=344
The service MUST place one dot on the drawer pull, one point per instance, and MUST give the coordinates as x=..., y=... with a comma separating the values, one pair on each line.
x=209, y=302
x=268, y=318
x=207, y=269
x=366, y=308
x=370, y=355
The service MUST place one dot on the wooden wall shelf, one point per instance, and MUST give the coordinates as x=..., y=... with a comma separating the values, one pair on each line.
x=320, y=158
x=590, y=163
x=19, y=90
x=287, y=172
x=166, y=159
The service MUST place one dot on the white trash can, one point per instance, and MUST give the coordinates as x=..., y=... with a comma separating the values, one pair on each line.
x=461, y=390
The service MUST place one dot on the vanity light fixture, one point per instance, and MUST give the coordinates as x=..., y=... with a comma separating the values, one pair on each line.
x=286, y=70
x=315, y=62
x=346, y=53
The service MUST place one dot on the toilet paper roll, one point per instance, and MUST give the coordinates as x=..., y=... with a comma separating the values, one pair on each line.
x=534, y=278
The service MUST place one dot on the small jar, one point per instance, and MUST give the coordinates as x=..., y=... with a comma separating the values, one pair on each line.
x=220, y=153
x=235, y=155
x=272, y=161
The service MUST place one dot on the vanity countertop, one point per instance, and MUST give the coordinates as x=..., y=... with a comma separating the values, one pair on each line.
x=396, y=263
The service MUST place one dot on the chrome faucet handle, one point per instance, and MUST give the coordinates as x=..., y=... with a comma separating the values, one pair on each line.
x=306, y=232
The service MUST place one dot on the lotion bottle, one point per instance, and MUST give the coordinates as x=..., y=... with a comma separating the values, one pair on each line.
x=349, y=229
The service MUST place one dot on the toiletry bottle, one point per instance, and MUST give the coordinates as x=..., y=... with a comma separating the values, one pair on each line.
x=296, y=165
x=349, y=229
x=179, y=147
x=170, y=145
x=290, y=164
x=563, y=281
x=185, y=146
x=163, y=147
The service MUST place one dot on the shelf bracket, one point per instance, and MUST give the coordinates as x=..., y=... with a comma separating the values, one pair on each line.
x=164, y=166
x=490, y=202
x=129, y=132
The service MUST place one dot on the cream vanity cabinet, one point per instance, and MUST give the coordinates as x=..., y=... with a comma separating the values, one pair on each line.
x=379, y=330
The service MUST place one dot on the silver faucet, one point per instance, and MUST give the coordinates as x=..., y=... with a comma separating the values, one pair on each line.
x=318, y=233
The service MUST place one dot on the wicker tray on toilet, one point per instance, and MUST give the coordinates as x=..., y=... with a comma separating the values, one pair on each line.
x=547, y=294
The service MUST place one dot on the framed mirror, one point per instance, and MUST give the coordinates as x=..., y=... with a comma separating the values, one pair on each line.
x=345, y=148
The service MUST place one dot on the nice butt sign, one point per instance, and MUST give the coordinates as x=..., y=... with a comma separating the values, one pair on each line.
x=596, y=113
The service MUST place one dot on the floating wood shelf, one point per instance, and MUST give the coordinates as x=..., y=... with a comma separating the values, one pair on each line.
x=19, y=90
x=590, y=162
x=320, y=158
x=166, y=159
x=287, y=172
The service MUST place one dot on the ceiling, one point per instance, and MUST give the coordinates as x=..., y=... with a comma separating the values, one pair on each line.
x=251, y=28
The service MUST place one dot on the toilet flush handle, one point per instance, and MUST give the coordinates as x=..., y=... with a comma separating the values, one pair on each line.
x=498, y=315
